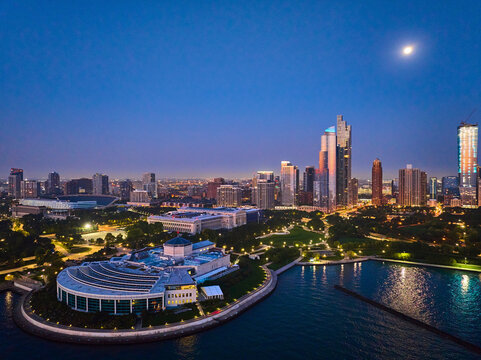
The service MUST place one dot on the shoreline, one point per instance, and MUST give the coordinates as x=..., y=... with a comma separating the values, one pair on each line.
x=427, y=264
x=35, y=325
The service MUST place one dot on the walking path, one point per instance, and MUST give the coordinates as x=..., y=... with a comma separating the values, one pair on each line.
x=337, y=262
x=288, y=266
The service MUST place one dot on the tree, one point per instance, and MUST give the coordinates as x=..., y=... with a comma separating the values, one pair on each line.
x=109, y=240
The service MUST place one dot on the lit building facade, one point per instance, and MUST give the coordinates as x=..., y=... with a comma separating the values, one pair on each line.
x=14, y=181
x=467, y=162
x=412, y=187
x=326, y=197
x=289, y=183
x=433, y=188
x=377, y=182
x=343, y=161
x=229, y=196
x=100, y=184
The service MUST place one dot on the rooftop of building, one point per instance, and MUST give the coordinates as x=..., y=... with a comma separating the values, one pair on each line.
x=178, y=241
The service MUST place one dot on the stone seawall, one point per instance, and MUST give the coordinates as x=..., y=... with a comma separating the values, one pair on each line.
x=31, y=323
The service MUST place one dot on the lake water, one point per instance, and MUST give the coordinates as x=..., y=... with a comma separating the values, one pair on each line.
x=307, y=318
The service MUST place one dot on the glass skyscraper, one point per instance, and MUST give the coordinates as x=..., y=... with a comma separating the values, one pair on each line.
x=327, y=170
x=467, y=162
x=343, y=160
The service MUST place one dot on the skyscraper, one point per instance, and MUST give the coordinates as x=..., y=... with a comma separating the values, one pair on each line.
x=212, y=187
x=467, y=162
x=343, y=161
x=433, y=188
x=479, y=185
x=289, y=181
x=411, y=189
x=326, y=197
x=308, y=179
x=377, y=183
x=229, y=196
x=100, y=184
x=53, y=183
x=263, y=190
x=149, y=184
x=14, y=180
x=29, y=189
x=353, y=192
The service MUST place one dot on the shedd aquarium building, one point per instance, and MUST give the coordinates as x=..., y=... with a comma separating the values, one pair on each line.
x=149, y=279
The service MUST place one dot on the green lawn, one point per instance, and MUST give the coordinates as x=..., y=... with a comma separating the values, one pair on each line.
x=347, y=239
x=236, y=284
x=79, y=249
x=297, y=236
x=186, y=312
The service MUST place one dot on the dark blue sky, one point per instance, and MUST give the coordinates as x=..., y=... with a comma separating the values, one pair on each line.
x=226, y=88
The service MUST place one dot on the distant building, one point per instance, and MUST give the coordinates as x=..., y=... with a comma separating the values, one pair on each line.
x=139, y=196
x=377, y=183
x=53, y=184
x=412, y=191
x=327, y=171
x=343, y=161
x=78, y=186
x=308, y=179
x=29, y=189
x=229, y=196
x=467, y=163
x=433, y=188
x=263, y=194
x=100, y=184
x=212, y=187
x=125, y=187
x=289, y=183
x=353, y=192
x=478, y=179
x=450, y=185
x=14, y=181
x=149, y=184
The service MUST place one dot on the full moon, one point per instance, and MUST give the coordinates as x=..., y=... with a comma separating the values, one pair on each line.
x=408, y=50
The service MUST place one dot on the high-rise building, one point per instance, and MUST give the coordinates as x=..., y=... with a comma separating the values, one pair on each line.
x=29, y=189
x=125, y=187
x=100, y=184
x=412, y=192
x=377, y=182
x=53, y=183
x=149, y=184
x=212, y=187
x=289, y=183
x=433, y=188
x=14, y=180
x=424, y=188
x=308, y=179
x=263, y=190
x=467, y=162
x=479, y=185
x=148, y=178
x=139, y=196
x=353, y=192
x=343, y=160
x=326, y=197
x=78, y=186
x=450, y=185
x=229, y=196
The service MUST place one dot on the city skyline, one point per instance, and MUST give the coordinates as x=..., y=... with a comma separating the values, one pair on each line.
x=103, y=95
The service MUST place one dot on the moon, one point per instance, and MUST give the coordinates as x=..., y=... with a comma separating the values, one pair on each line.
x=408, y=50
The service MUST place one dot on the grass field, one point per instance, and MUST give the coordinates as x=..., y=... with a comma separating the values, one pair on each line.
x=79, y=249
x=297, y=236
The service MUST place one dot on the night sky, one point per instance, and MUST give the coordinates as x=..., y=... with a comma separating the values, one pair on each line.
x=202, y=88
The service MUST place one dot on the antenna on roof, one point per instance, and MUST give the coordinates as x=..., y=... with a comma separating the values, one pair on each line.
x=469, y=117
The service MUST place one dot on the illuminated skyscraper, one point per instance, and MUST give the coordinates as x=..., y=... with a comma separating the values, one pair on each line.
x=100, y=184
x=53, y=183
x=289, y=181
x=467, y=162
x=327, y=171
x=229, y=196
x=343, y=161
x=14, y=180
x=412, y=187
x=308, y=179
x=433, y=188
x=377, y=182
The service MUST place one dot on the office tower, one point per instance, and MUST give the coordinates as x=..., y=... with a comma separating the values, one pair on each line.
x=78, y=186
x=125, y=187
x=263, y=190
x=289, y=181
x=308, y=179
x=411, y=190
x=467, y=162
x=265, y=175
x=450, y=185
x=229, y=196
x=139, y=196
x=353, y=192
x=327, y=171
x=149, y=184
x=424, y=188
x=433, y=188
x=343, y=160
x=14, y=180
x=212, y=187
x=53, y=183
x=100, y=184
x=395, y=188
x=29, y=189
x=377, y=182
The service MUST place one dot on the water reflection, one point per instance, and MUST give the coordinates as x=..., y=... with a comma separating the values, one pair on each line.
x=465, y=283
x=187, y=346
